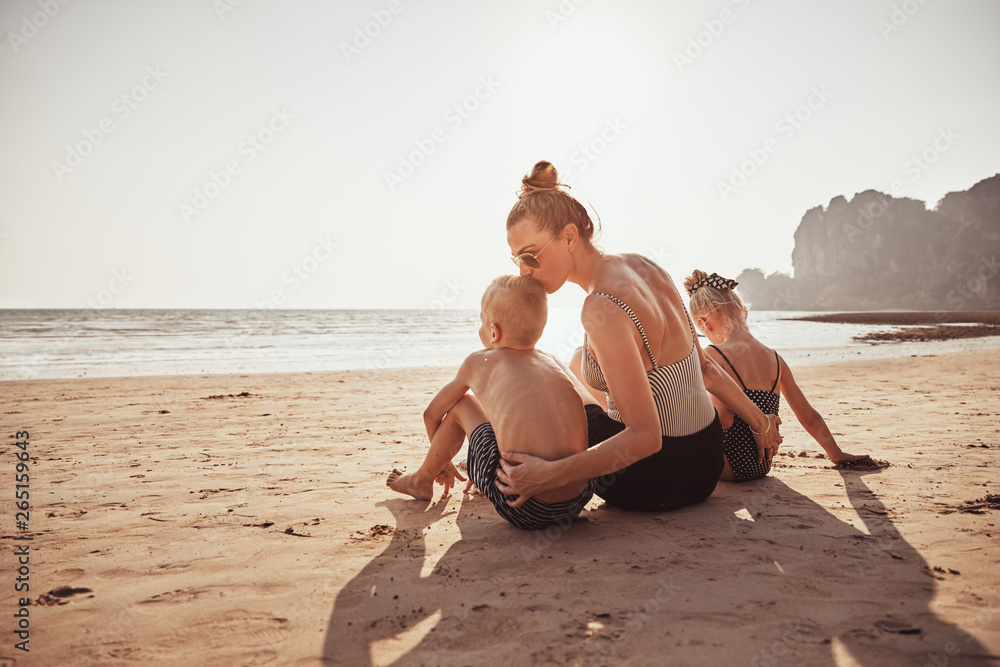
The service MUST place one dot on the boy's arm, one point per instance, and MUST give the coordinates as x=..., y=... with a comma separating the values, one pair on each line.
x=812, y=421
x=449, y=395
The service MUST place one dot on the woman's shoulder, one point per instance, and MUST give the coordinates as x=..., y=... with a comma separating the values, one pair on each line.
x=636, y=261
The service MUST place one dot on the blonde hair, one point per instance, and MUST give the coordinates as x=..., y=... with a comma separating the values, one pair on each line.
x=709, y=299
x=542, y=199
x=519, y=306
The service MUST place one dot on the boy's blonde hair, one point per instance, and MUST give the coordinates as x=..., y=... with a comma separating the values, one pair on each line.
x=713, y=294
x=519, y=306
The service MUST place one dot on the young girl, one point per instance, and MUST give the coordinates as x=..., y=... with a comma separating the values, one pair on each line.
x=764, y=376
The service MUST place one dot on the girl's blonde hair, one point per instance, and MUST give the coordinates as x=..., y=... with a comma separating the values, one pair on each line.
x=543, y=198
x=715, y=295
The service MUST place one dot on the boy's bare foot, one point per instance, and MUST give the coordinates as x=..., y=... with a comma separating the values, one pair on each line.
x=844, y=457
x=409, y=484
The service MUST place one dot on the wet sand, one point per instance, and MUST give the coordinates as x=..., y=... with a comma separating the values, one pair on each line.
x=908, y=317
x=947, y=325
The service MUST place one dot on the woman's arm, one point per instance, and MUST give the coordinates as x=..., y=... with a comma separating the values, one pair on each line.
x=576, y=370
x=624, y=370
x=811, y=420
x=722, y=386
x=725, y=414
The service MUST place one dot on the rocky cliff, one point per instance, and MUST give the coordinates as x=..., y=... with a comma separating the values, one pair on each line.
x=879, y=252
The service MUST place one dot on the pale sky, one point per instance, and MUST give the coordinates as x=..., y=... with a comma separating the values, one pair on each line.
x=226, y=154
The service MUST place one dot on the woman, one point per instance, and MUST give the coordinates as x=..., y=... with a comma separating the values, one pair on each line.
x=660, y=441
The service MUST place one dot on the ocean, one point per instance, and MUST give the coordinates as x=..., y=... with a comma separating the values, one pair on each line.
x=48, y=344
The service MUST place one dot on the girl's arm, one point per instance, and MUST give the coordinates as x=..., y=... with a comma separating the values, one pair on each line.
x=624, y=369
x=720, y=385
x=811, y=420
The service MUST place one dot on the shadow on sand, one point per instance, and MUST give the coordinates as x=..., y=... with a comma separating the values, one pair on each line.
x=759, y=574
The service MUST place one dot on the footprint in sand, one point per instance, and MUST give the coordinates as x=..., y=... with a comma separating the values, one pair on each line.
x=179, y=595
x=249, y=630
x=61, y=595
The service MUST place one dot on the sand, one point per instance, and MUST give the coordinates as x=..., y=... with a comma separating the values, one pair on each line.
x=243, y=520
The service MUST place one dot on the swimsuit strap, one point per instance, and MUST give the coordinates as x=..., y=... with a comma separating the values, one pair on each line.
x=778, y=376
x=690, y=325
x=731, y=366
x=635, y=320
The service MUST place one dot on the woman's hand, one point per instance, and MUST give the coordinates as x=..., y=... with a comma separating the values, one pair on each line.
x=768, y=440
x=524, y=476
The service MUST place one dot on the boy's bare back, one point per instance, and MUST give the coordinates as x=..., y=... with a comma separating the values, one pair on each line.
x=534, y=406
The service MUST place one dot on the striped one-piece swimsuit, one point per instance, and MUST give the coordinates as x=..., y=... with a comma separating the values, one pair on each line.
x=686, y=469
x=682, y=403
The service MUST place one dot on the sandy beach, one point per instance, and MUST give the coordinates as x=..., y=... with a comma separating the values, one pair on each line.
x=244, y=520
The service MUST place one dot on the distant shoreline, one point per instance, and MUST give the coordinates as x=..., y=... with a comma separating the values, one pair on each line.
x=984, y=323
x=903, y=318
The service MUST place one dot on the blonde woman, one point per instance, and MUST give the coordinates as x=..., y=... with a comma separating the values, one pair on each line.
x=659, y=445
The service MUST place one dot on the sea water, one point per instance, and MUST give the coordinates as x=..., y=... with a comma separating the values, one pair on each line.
x=111, y=343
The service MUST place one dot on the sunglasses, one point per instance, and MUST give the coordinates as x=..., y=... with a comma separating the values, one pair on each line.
x=530, y=259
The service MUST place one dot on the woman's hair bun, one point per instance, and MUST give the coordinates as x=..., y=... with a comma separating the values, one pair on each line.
x=543, y=176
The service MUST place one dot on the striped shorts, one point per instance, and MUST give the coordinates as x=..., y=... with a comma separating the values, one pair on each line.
x=484, y=459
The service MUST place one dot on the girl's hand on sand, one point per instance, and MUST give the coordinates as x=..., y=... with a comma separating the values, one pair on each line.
x=844, y=457
x=521, y=475
x=767, y=443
